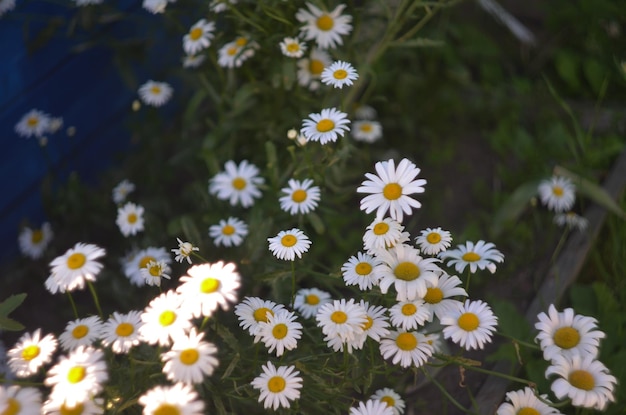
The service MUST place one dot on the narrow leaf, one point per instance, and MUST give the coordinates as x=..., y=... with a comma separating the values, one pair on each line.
x=11, y=303
x=10, y=324
x=514, y=206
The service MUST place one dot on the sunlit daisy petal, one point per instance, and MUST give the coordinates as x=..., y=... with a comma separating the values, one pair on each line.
x=237, y=183
x=184, y=251
x=164, y=319
x=154, y=271
x=31, y=352
x=300, y=196
x=338, y=74
x=471, y=325
x=372, y=407
x=139, y=260
x=409, y=315
x=440, y=295
x=280, y=332
x=477, y=256
x=81, y=332
x=363, y=270
x=278, y=385
x=432, y=241
x=176, y=399
x=289, y=244
x=383, y=234
x=326, y=126
x=190, y=359
x=229, y=232
x=391, y=398
x=121, y=331
x=130, y=219
x=525, y=401
x=407, y=348
x=71, y=270
x=16, y=400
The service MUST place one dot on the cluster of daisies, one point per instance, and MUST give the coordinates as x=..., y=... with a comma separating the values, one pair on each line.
x=558, y=194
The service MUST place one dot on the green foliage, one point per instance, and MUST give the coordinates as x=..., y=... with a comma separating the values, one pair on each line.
x=6, y=307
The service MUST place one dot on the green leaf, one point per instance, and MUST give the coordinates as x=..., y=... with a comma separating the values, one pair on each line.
x=567, y=66
x=10, y=324
x=595, y=74
x=190, y=229
x=11, y=303
x=582, y=302
x=514, y=206
x=317, y=223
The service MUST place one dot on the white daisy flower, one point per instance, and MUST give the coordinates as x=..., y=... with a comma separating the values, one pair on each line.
x=33, y=242
x=558, y=193
x=140, y=260
x=432, y=241
x=235, y=53
x=184, y=251
x=338, y=74
x=310, y=68
x=435, y=340
x=86, y=407
x=164, y=320
x=78, y=376
x=390, y=189
x=583, y=379
x=190, y=359
x=326, y=28
x=372, y=407
x=33, y=123
x=280, y=332
x=409, y=315
x=343, y=319
x=326, y=126
x=121, y=331
x=408, y=348
x=17, y=400
x=218, y=6
x=229, y=232
x=193, y=61
x=278, y=385
x=478, y=256
x=122, y=190
x=377, y=324
x=367, y=131
x=363, y=270
x=439, y=298
x=6, y=5
x=571, y=220
x=365, y=112
x=81, y=332
x=176, y=399
x=154, y=6
x=155, y=93
x=154, y=271
x=199, y=37
x=289, y=244
x=207, y=286
x=31, y=352
x=238, y=183
x=471, y=325
x=407, y=271
x=300, y=197
x=309, y=300
x=70, y=270
x=292, y=47
x=254, y=310
x=525, y=401
x=566, y=333
x=130, y=219
x=383, y=234
x=391, y=398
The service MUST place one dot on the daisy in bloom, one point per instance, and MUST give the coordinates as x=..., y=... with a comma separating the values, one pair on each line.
x=281, y=331
x=176, y=399
x=140, y=260
x=409, y=315
x=583, y=379
x=164, y=320
x=292, y=47
x=207, y=286
x=471, y=325
x=130, y=219
x=154, y=6
x=6, y=5
x=478, y=256
x=253, y=310
x=33, y=123
x=33, y=242
x=278, y=385
x=122, y=190
x=383, y=234
x=155, y=93
x=154, y=271
x=193, y=61
x=439, y=295
x=287, y=244
x=571, y=220
x=70, y=270
x=190, y=359
x=566, y=333
x=184, y=251
x=435, y=340
x=310, y=68
x=367, y=131
x=326, y=28
x=391, y=398
x=31, y=352
x=219, y=6
x=407, y=271
x=326, y=126
x=363, y=270
x=343, y=319
x=309, y=300
x=300, y=197
x=372, y=407
x=238, y=183
x=376, y=325
x=78, y=376
x=390, y=189
x=432, y=241
x=524, y=401
x=16, y=400
x=558, y=193
x=81, y=332
x=235, y=53
x=406, y=347
x=199, y=37
x=338, y=74
x=229, y=232
x=86, y=407
x=121, y=331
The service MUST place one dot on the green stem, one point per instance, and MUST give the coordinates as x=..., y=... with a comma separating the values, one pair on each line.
x=293, y=283
x=446, y=394
x=485, y=371
x=469, y=277
x=204, y=321
x=92, y=289
x=69, y=295
x=523, y=343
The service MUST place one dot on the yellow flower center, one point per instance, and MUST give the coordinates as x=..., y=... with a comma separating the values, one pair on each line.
x=124, y=329
x=433, y=238
x=228, y=230
x=299, y=196
x=76, y=260
x=312, y=299
x=132, y=218
x=76, y=374
x=388, y=400
x=316, y=67
x=80, y=331
x=189, y=356
x=167, y=318
x=325, y=22
x=155, y=270
x=276, y=384
x=381, y=228
x=209, y=285
x=340, y=74
x=339, y=317
x=366, y=127
x=166, y=409
x=13, y=407
x=325, y=125
x=392, y=191
x=566, y=337
x=409, y=309
x=293, y=47
x=406, y=271
x=75, y=410
x=468, y=321
x=232, y=51
x=241, y=42
x=260, y=314
x=406, y=341
x=195, y=33
x=527, y=410
x=32, y=121
x=470, y=257
x=145, y=260
x=36, y=236
x=582, y=379
x=280, y=331
x=30, y=352
x=363, y=268
x=239, y=183
x=434, y=295
x=368, y=324
x=557, y=190
x=288, y=240
x=155, y=90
